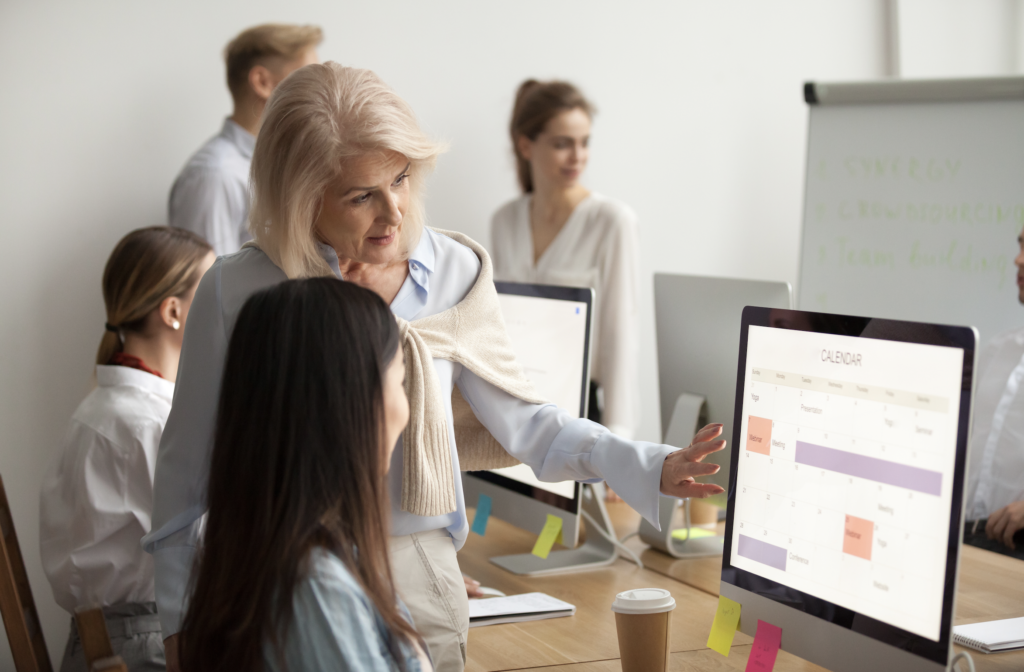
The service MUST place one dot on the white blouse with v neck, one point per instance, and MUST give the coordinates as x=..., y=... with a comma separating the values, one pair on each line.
x=597, y=247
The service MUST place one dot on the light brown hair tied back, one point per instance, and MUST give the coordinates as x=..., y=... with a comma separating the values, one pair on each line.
x=536, y=104
x=146, y=267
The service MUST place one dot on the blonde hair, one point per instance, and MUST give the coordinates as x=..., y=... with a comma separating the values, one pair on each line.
x=316, y=120
x=253, y=45
x=146, y=267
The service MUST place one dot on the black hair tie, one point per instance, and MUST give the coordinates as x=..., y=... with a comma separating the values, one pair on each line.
x=111, y=327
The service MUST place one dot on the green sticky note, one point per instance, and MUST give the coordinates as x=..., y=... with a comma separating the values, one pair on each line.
x=695, y=533
x=727, y=619
x=552, y=530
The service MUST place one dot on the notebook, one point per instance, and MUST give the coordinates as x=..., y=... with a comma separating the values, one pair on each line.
x=991, y=636
x=516, y=609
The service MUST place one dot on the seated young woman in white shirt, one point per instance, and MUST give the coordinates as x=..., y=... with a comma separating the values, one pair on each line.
x=293, y=570
x=97, y=496
x=561, y=233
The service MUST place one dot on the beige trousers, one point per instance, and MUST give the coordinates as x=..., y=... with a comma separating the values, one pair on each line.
x=428, y=579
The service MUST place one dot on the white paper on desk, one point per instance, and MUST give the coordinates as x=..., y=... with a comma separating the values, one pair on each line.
x=517, y=608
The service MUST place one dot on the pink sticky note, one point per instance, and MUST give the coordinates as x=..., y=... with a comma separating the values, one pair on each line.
x=767, y=641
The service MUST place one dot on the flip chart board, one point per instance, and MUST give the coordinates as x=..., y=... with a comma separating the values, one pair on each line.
x=914, y=200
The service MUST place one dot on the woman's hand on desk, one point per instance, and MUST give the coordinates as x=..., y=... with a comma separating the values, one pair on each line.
x=472, y=587
x=1006, y=522
x=682, y=466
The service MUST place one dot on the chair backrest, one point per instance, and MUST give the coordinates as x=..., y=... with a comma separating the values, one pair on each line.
x=112, y=664
x=92, y=631
x=16, y=604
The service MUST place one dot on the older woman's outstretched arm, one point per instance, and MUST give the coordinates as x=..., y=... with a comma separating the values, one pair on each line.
x=559, y=447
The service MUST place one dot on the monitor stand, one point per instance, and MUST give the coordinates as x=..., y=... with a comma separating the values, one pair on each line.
x=689, y=415
x=596, y=552
x=663, y=541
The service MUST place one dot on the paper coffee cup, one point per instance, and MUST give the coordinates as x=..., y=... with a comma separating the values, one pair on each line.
x=642, y=619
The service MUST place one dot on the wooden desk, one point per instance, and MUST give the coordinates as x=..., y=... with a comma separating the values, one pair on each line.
x=590, y=635
x=991, y=587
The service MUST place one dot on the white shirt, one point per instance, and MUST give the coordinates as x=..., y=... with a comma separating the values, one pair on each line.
x=441, y=272
x=97, y=496
x=210, y=196
x=597, y=247
x=995, y=475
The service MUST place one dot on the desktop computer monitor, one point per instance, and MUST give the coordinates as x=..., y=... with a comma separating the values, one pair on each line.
x=697, y=320
x=549, y=329
x=846, y=492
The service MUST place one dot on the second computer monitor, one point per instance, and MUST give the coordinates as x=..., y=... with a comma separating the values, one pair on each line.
x=698, y=320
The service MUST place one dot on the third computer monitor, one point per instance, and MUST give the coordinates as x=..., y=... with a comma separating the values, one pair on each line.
x=846, y=489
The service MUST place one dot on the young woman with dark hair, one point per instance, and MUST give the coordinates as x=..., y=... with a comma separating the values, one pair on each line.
x=293, y=571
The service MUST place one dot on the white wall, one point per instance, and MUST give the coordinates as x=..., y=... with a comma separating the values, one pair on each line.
x=701, y=130
x=959, y=38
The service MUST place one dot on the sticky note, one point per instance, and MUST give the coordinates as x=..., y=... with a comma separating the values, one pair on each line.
x=552, y=530
x=695, y=533
x=483, y=512
x=767, y=641
x=727, y=619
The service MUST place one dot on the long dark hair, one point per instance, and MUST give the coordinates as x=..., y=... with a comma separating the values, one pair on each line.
x=536, y=104
x=297, y=464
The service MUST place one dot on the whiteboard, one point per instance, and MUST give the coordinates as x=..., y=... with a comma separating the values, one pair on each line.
x=912, y=211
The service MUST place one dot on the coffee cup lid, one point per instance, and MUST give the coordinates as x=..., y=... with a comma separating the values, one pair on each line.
x=644, y=601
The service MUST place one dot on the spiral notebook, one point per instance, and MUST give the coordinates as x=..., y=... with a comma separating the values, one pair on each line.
x=517, y=608
x=991, y=636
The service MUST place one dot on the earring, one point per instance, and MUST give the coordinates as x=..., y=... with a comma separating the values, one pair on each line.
x=176, y=324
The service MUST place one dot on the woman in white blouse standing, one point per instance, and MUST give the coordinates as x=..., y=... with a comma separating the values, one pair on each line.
x=97, y=497
x=561, y=233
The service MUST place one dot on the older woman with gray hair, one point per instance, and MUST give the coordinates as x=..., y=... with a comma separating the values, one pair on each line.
x=337, y=176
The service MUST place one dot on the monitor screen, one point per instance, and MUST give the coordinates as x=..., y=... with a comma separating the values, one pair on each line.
x=550, y=337
x=845, y=470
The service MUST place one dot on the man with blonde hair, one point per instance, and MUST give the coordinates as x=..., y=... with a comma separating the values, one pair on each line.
x=210, y=196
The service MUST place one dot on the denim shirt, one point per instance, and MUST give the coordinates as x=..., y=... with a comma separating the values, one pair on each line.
x=335, y=626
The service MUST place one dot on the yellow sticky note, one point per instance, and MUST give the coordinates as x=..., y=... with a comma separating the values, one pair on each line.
x=697, y=532
x=727, y=619
x=552, y=529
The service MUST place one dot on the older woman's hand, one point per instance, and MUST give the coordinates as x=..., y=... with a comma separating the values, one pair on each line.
x=682, y=466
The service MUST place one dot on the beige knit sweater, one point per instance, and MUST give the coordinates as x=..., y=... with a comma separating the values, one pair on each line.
x=471, y=333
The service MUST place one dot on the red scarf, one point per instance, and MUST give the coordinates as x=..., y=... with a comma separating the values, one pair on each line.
x=132, y=362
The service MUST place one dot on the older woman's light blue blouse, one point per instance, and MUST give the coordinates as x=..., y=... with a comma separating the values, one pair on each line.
x=557, y=446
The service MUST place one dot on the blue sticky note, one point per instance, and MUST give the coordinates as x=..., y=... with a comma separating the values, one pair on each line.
x=483, y=512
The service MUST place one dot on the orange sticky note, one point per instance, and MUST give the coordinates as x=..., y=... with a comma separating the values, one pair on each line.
x=727, y=619
x=767, y=641
x=552, y=530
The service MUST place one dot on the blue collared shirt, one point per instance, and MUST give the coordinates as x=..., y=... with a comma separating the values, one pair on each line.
x=210, y=196
x=551, y=441
x=335, y=625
